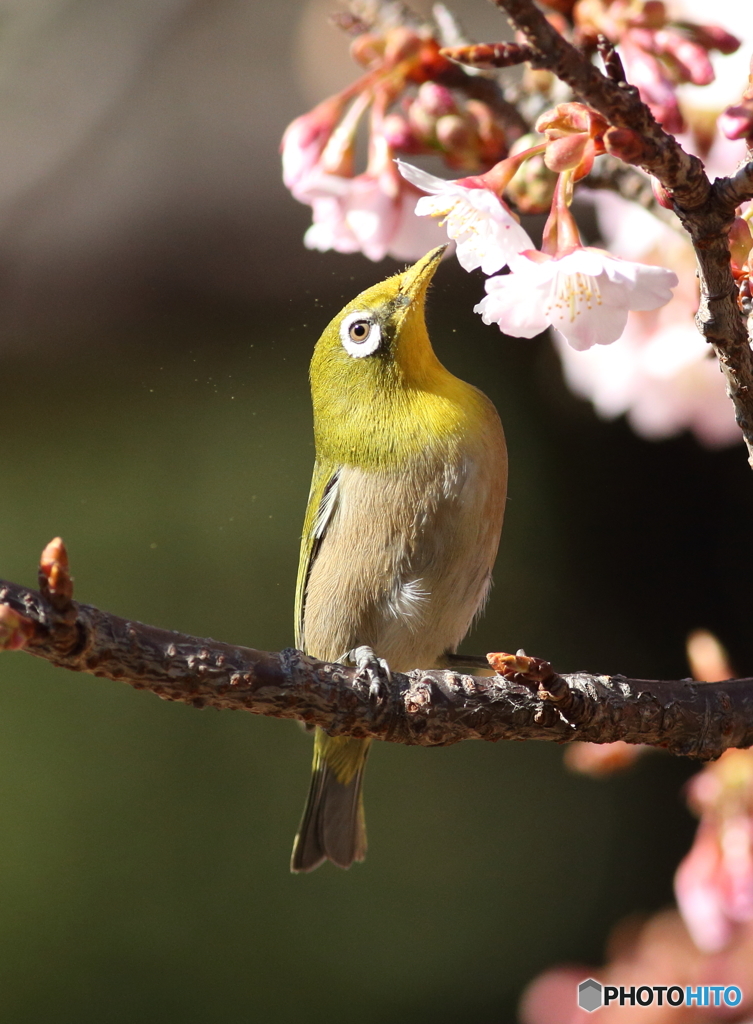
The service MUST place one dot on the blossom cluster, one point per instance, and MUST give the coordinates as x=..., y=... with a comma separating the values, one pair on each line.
x=413, y=101
x=583, y=292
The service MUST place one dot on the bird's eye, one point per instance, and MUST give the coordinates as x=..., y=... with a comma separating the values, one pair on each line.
x=360, y=334
x=359, y=331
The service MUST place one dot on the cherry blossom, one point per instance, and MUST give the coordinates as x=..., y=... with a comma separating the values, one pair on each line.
x=484, y=228
x=661, y=374
x=372, y=214
x=585, y=295
x=304, y=143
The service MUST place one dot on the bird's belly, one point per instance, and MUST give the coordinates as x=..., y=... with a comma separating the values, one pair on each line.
x=406, y=560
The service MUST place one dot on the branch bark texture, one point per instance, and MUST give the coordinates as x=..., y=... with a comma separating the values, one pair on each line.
x=427, y=707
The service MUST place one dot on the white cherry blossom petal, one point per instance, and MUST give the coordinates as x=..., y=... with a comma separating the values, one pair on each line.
x=423, y=181
x=503, y=305
x=487, y=234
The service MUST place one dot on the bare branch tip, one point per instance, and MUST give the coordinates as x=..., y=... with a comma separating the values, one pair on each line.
x=521, y=667
x=55, y=580
x=612, y=63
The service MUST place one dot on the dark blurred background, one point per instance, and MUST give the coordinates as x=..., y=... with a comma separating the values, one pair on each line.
x=157, y=315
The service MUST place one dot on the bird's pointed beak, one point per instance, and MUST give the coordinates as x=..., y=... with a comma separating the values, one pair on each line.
x=416, y=279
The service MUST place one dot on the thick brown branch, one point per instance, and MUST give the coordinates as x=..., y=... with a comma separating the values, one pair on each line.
x=706, y=211
x=619, y=102
x=424, y=707
x=737, y=189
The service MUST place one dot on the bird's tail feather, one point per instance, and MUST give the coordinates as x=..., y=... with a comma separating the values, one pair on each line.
x=333, y=825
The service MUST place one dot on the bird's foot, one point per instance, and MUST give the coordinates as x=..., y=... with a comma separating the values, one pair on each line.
x=372, y=670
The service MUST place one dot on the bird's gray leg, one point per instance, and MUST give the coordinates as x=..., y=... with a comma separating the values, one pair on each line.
x=375, y=670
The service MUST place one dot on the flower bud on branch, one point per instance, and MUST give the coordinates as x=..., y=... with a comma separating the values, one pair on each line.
x=489, y=56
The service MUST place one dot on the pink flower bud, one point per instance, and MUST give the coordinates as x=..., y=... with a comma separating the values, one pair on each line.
x=690, y=59
x=565, y=153
x=661, y=195
x=737, y=122
x=711, y=37
x=567, y=118
x=740, y=244
x=400, y=136
x=491, y=135
x=305, y=138
x=402, y=43
x=714, y=883
x=625, y=144
x=532, y=186
x=422, y=123
x=453, y=133
x=436, y=100
x=367, y=49
x=645, y=72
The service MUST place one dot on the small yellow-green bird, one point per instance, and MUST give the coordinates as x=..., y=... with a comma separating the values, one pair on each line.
x=402, y=525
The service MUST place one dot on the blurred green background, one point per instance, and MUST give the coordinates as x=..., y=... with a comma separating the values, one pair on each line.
x=155, y=411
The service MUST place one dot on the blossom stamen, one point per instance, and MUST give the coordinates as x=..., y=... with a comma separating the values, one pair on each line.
x=571, y=292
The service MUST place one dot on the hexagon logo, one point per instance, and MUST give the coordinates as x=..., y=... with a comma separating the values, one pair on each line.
x=589, y=995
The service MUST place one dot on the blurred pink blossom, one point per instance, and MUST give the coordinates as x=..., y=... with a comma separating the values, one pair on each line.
x=646, y=952
x=304, y=142
x=372, y=214
x=645, y=71
x=661, y=374
x=714, y=883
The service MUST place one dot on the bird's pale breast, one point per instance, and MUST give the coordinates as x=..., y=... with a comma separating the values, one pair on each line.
x=405, y=561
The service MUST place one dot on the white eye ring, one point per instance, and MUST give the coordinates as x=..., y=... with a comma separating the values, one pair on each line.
x=353, y=326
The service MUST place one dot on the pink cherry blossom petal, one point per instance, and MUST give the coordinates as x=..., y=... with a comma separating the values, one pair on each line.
x=367, y=214
x=585, y=295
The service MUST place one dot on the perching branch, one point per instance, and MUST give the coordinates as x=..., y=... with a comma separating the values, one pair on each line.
x=705, y=210
x=527, y=700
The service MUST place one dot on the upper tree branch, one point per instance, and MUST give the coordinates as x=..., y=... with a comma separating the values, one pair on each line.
x=706, y=210
x=530, y=701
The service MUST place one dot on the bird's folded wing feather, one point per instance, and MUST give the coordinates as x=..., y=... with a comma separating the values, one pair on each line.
x=319, y=511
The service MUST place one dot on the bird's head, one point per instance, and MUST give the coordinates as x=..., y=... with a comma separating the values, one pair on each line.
x=379, y=391
x=379, y=339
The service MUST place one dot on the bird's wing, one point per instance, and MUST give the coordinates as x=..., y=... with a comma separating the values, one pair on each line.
x=319, y=511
